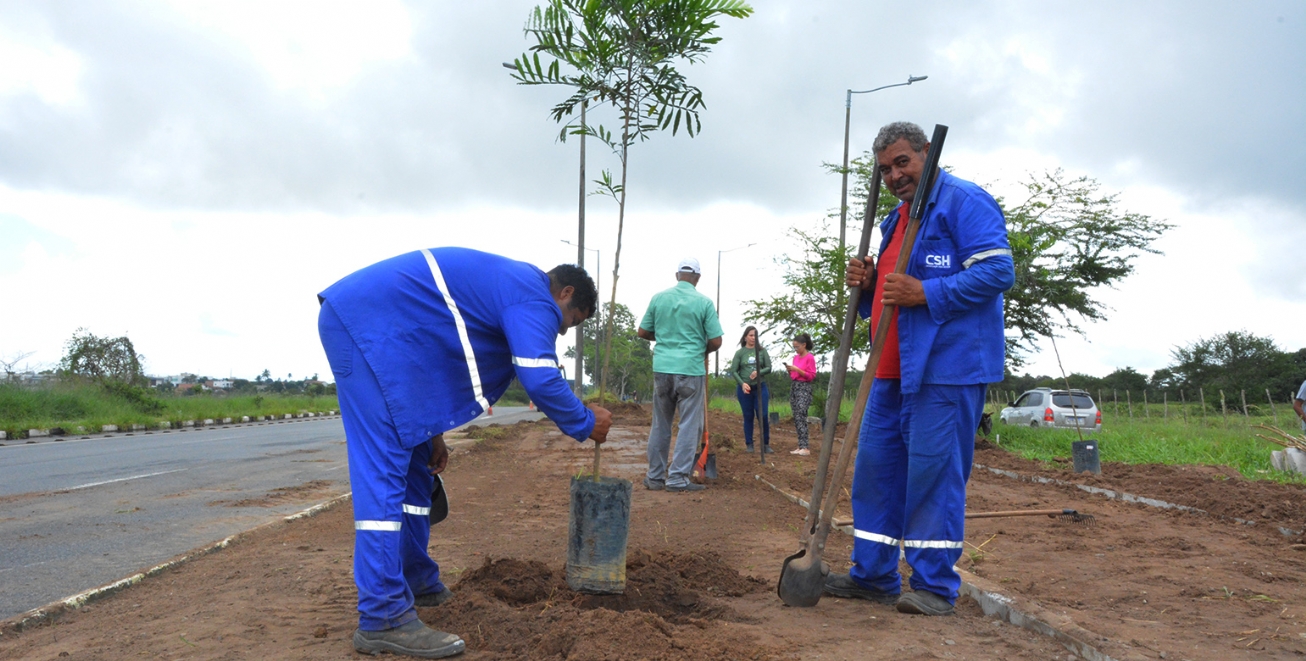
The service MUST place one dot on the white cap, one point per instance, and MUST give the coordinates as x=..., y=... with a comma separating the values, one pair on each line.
x=688, y=264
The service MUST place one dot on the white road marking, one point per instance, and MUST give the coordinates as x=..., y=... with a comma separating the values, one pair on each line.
x=124, y=479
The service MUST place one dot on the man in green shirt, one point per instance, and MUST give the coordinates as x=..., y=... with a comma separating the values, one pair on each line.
x=684, y=325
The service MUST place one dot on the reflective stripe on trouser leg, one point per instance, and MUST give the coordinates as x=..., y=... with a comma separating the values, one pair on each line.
x=879, y=490
x=420, y=572
x=939, y=429
x=377, y=475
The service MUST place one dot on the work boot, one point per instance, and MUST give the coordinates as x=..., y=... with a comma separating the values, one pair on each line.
x=413, y=639
x=924, y=602
x=654, y=485
x=748, y=449
x=767, y=449
x=688, y=486
x=845, y=587
x=433, y=598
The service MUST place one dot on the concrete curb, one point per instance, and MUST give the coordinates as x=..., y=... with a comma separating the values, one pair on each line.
x=1027, y=616
x=184, y=426
x=53, y=610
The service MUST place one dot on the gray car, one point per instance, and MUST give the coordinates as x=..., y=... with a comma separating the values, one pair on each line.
x=1045, y=407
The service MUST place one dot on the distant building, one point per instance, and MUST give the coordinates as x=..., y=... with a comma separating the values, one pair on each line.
x=220, y=384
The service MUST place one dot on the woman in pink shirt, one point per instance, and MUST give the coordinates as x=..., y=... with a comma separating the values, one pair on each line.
x=803, y=371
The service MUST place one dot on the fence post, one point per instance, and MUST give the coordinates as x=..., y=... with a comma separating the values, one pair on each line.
x=1273, y=412
x=1099, y=399
x=1202, y=393
x=1183, y=405
x=1129, y=399
x=1246, y=415
x=1224, y=410
x=1145, y=412
x=1165, y=404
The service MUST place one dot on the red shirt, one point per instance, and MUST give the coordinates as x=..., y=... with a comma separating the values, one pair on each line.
x=890, y=363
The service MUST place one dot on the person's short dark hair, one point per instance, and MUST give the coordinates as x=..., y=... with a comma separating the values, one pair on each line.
x=896, y=131
x=585, y=296
x=805, y=339
x=743, y=339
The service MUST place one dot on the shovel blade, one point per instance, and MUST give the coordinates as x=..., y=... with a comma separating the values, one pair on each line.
x=802, y=580
x=710, y=469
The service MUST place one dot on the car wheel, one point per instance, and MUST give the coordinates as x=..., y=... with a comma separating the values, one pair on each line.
x=1033, y=424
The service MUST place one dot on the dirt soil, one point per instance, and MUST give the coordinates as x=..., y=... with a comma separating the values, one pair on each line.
x=702, y=569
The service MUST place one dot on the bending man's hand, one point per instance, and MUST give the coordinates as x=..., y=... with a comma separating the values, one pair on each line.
x=602, y=423
x=857, y=275
x=439, y=455
x=903, y=291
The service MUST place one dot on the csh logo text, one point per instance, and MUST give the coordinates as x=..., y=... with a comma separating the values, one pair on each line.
x=938, y=261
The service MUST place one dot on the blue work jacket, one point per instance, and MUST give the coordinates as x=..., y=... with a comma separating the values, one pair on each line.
x=445, y=330
x=963, y=261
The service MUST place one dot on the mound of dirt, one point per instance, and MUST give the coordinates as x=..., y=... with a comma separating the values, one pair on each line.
x=306, y=491
x=524, y=609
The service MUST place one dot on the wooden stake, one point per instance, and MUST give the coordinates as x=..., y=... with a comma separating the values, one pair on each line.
x=1243, y=394
x=1146, y=414
x=1129, y=399
x=1224, y=410
x=1202, y=393
x=1184, y=406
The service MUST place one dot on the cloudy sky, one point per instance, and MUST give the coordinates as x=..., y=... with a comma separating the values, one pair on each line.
x=192, y=173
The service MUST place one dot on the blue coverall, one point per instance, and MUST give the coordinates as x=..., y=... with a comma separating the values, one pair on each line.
x=419, y=344
x=916, y=443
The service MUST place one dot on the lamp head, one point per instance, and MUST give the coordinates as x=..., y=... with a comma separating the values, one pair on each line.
x=913, y=79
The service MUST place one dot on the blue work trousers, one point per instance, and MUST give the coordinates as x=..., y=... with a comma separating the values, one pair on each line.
x=391, y=491
x=914, y=455
x=748, y=405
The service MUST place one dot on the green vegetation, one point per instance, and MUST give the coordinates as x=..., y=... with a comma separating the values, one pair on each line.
x=731, y=405
x=88, y=405
x=1158, y=440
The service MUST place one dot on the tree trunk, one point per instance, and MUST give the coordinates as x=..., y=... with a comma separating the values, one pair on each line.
x=616, y=261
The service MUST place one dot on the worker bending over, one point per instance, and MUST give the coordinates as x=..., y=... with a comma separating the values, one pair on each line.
x=420, y=344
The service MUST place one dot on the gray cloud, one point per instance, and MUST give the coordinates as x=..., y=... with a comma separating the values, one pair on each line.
x=1205, y=98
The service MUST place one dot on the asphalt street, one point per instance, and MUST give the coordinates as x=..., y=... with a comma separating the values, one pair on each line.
x=77, y=514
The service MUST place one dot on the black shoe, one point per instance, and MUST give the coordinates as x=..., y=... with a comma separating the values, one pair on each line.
x=688, y=486
x=748, y=449
x=923, y=602
x=843, y=586
x=769, y=450
x=433, y=599
x=654, y=485
x=413, y=639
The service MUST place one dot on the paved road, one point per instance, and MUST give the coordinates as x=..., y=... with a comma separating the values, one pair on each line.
x=78, y=514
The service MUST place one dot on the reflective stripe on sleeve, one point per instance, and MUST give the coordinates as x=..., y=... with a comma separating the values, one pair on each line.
x=985, y=255
x=419, y=511
x=534, y=362
x=931, y=544
x=383, y=526
x=462, y=330
x=875, y=537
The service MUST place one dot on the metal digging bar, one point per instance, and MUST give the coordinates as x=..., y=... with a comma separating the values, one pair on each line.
x=802, y=578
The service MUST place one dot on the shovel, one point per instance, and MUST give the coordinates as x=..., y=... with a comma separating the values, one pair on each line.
x=802, y=578
x=706, y=464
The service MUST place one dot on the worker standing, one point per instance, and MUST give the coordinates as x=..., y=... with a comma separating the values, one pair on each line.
x=420, y=344
x=945, y=343
x=683, y=323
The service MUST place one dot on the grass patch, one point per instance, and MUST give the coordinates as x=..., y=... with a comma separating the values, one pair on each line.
x=731, y=405
x=1158, y=440
x=90, y=406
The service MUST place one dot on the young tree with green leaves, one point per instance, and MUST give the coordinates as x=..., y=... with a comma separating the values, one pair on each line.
x=623, y=53
x=101, y=359
x=631, y=358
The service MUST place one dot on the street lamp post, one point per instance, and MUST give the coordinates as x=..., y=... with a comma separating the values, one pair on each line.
x=718, y=293
x=598, y=285
x=847, y=120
